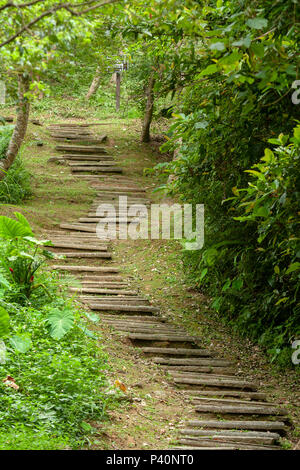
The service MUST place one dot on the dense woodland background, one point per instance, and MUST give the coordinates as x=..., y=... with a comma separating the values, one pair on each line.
x=222, y=79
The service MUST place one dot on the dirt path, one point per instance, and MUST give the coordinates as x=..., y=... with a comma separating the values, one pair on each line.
x=179, y=391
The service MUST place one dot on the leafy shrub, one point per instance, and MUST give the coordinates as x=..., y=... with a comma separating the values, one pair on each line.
x=5, y=135
x=51, y=371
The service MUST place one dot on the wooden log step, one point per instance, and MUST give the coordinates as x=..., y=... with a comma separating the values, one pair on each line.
x=228, y=393
x=251, y=437
x=195, y=375
x=201, y=443
x=104, y=220
x=162, y=337
x=95, y=269
x=201, y=369
x=207, y=400
x=213, y=381
x=131, y=189
x=76, y=124
x=80, y=149
x=278, y=426
x=226, y=447
x=109, y=169
x=117, y=298
x=92, y=290
x=136, y=318
x=249, y=408
x=89, y=158
x=102, y=277
x=70, y=135
x=85, y=254
x=130, y=322
x=103, y=283
x=122, y=308
x=87, y=141
x=92, y=164
x=79, y=227
x=192, y=361
x=124, y=300
x=147, y=329
x=178, y=351
x=78, y=246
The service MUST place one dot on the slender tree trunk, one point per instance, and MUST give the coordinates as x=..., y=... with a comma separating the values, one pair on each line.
x=20, y=126
x=149, y=110
x=175, y=156
x=118, y=91
x=95, y=84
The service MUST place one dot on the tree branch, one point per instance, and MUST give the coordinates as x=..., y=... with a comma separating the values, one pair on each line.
x=64, y=6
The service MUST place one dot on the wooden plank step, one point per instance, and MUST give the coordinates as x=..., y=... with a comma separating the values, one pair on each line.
x=278, y=426
x=241, y=409
x=101, y=291
x=178, y=351
x=125, y=300
x=100, y=278
x=264, y=438
x=82, y=227
x=95, y=269
x=89, y=158
x=229, y=432
x=80, y=149
x=209, y=400
x=162, y=337
x=93, y=163
x=103, y=283
x=116, y=298
x=226, y=447
x=147, y=329
x=104, y=220
x=228, y=393
x=119, y=188
x=85, y=254
x=212, y=443
x=109, y=169
x=201, y=369
x=192, y=362
x=138, y=318
x=213, y=381
x=123, y=308
x=77, y=246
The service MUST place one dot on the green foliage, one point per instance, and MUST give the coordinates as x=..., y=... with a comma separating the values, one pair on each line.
x=60, y=322
x=22, y=258
x=51, y=368
x=5, y=135
x=239, y=98
x=4, y=322
x=15, y=187
x=61, y=383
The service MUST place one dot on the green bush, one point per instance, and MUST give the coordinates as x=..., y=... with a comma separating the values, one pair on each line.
x=15, y=187
x=52, y=376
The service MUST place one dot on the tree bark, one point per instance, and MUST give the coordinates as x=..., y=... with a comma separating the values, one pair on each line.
x=95, y=84
x=175, y=156
x=20, y=126
x=149, y=110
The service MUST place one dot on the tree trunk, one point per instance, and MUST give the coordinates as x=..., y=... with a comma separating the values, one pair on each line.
x=95, y=84
x=20, y=126
x=175, y=156
x=149, y=110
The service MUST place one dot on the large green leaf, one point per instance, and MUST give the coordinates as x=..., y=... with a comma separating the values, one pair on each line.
x=60, y=322
x=21, y=344
x=10, y=228
x=22, y=220
x=4, y=322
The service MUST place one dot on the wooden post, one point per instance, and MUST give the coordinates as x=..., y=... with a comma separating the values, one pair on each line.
x=118, y=90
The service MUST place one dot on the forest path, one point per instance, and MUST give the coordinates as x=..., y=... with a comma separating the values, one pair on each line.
x=220, y=408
